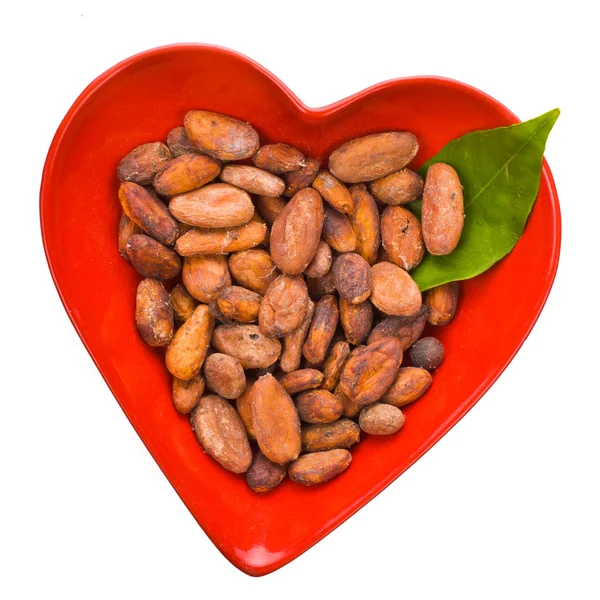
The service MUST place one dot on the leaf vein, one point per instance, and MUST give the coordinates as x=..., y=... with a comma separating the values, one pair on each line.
x=505, y=165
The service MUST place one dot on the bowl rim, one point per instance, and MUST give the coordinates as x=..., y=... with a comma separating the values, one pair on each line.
x=308, y=112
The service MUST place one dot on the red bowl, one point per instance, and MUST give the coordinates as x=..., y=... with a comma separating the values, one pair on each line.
x=140, y=100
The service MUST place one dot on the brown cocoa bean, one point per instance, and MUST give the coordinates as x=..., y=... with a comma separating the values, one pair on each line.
x=320, y=286
x=394, y=292
x=337, y=231
x=182, y=302
x=248, y=344
x=221, y=433
x=269, y=207
x=126, y=229
x=253, y=269
x=148, y=212
x=400, y=187
x=381, y=419
x=205, y=276
x=153, y=313
x=301, y=178
x=296, y=232
x=253, y=180
x=263, y=474
x=214, y=206
x=401, y=237
x=322, y=330
x=152, y=259
x=342, y=433
x=222, y=241
x=427, y=353
x=143, y=163
x=373, y=156
x=371, y=370
x=441, y=302
x=301, y=380
x=410, y=384
x=443, y=212
x=318, y=406
x=291, y=355
x=283, y=307
x=407, y=329
x=187, y=351
x=352, y=277
x=221, y=136
x=279, y=158
x=321, y=263
x=334, y=192
x=356, y=320
x=239, y=304
x=334, y=364
x=319, y=467
x=243, y=405
x=365, y=223
x=351, y=408
x=186, y=173
x=187, y=394
x=224, y=375
x=179, y=144
x=276, y=421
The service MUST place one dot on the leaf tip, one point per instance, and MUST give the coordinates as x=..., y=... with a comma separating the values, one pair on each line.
x=554, y=114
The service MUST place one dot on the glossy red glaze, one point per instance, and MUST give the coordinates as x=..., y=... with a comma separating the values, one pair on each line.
x=140, y=100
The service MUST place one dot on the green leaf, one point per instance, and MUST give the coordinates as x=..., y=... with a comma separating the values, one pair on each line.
x=500, y=172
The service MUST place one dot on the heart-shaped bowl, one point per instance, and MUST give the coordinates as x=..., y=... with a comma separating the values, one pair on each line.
x=139, y=100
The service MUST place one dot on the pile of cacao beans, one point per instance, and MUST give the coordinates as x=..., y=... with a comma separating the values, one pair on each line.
x=295, y=304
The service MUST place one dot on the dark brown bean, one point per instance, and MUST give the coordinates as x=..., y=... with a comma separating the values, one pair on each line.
x=263, y=474
x=179, y=144
x=300, y=179
x=321, y=286
x=143, y=163
x=427, y=353
x=151, y=258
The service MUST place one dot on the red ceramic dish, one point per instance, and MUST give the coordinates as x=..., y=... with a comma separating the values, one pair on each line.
x=140, y=100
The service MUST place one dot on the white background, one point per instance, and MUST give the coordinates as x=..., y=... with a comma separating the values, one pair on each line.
x=505, y=506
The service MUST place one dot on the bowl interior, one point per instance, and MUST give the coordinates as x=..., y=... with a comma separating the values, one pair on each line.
x=139, y=101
